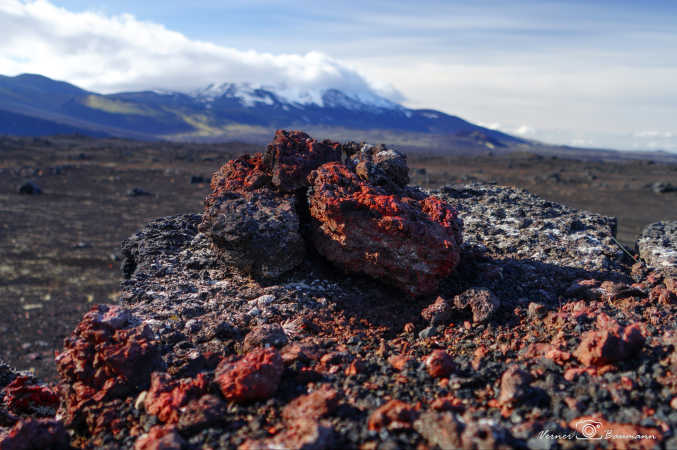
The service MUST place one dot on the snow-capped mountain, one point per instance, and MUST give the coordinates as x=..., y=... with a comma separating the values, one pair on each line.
x=216, y=111
x=251, y=95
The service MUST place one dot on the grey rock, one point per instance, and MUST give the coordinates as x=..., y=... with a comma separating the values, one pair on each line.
x=657, y=246
x=29, y=188
x=481, y=301
x=440, y=429
x=256, y=232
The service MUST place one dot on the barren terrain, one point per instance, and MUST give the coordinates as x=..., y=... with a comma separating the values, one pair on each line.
x=59, y=251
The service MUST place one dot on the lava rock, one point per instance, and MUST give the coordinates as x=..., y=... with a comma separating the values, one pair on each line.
x=394, y=415
x=257, y=232
x=36, y=434
x=265, y=335
x=481, y=301
x=440, y=429
x=254, y=377
x=439, y=364
x=409, y=242
x=606, y=346
x=138, y=192
x=657, y=246
x=293, y=155
x=160, y=438
x=514, y=386
x=438, y=313
x=315, y=405
x=29, y=188
x=108, y=356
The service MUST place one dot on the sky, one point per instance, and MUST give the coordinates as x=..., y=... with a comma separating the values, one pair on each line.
x=585, y=73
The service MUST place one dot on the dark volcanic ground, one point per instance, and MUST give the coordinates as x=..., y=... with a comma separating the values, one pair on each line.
x=59, y=250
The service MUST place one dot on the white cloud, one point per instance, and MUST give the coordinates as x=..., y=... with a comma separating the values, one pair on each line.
x=524, y=130
x=114, y=53
x=655, y=134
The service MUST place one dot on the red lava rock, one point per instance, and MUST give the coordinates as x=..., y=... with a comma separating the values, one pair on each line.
x=438, y=313
x=662, y=295
x=410, y=243
x=606, y=346
x=549, y=351
x=244, y=174
x=166, y=396
x=399, y=362
x=448, y=403
x=514, y=386
x=481, y=301
x=160, y=438
x=105, y=358
x=315, y=405
x=303, y=434
x=254, y=377
x=440, y=364
x=24, y=397
x=442, y=430
x=393, y=415
x=619, y=436
x=293, y=155
x=36, y=434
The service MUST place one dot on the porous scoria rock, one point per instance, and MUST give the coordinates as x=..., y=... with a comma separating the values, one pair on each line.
x=257, y=232
x=512, y=223
x=411, y=242
x=36, y=434
x=657, y=246
x=609, y=345
x=108, y=356
x=254, y=377
x=256, y=209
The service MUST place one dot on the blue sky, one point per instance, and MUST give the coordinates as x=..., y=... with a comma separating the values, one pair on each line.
x=593, y=73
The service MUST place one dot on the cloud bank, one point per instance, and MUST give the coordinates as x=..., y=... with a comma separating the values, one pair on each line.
x=117, y=53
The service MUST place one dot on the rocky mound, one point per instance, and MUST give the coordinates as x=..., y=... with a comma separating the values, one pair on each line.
x=657, y=246
x=537, y=330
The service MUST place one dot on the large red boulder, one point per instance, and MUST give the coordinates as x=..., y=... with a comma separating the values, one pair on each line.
x=409, y=241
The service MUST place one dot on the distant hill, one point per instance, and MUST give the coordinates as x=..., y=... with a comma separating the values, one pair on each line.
x=36, y=105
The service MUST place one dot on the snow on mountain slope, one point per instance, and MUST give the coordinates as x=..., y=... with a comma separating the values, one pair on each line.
x=251, y=95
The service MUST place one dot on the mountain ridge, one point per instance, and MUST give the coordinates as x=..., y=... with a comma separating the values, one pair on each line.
x=218, y=112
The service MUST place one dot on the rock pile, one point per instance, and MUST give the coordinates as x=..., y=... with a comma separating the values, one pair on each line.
x=540, y=328
x=350, y=201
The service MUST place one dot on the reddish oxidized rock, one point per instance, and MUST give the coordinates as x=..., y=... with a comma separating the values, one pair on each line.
x=315, y=405
x=22, y=396
x=293, y=155
x=393, y=415
x=408, y=242
x=254, y=377
x=166, y=396
x=618, y=435
x=105, y=358
x=160, y=438
x=241, y=175
x=514, y=386
x=36, y=434
x=439, y=364
x=609, y=345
